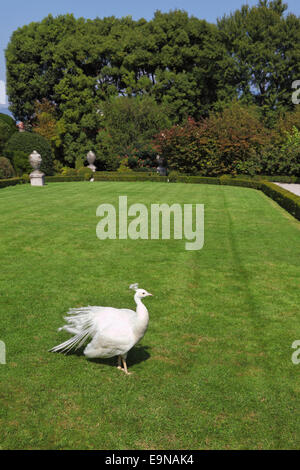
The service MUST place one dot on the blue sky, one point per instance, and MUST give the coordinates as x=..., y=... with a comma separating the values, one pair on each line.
x=16, y=13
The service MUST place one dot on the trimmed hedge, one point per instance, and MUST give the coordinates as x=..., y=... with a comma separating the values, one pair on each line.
x=196, y=179
x=244, y=182
x=63, y=179
x=281, y=179
x=277, y=179
x=12, y=182
x=134, y=176
x=289, y=201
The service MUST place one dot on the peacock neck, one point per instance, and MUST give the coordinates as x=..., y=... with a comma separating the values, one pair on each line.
x=142, y=317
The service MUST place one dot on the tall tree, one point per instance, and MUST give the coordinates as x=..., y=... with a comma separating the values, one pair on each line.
x=265, y=45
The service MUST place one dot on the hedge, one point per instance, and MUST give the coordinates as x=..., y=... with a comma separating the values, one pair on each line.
x=12, y=182
x=129, y=177
x=274, y=178
x=281, y=179
x=197, y=179
x=63, y=179
x=244, y=182
x=289, y=201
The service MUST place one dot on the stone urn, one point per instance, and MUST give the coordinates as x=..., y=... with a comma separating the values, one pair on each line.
x=37, y=177
x=91, y=157
x=161, y=169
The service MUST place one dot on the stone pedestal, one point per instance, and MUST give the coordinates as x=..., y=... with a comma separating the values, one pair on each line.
x=37, y=177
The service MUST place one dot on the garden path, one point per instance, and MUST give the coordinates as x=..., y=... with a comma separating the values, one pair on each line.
x=293, y=188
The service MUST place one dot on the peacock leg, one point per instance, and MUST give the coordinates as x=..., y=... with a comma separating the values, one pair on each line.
x=125, y=366
x=119, y=363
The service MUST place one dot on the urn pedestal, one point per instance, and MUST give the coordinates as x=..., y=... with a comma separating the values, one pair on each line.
x=37, y=177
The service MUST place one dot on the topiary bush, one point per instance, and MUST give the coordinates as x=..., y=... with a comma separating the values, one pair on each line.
x=21, y=145
x=6, y=168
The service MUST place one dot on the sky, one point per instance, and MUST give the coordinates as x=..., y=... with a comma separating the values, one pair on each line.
x=17, y=13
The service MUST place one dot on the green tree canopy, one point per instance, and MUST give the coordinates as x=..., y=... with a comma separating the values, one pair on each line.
x=185, y=64
x=265, y=45
x=128, y=126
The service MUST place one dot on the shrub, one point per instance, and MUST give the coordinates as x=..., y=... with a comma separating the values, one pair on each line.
x=85, y=172
x=22, y=144
x=57, y=166
x=286, y=123
x=124, y=167
x=284, y=158
x=21, y=163
x=25, y=178
x=230, y=141
x=66, y=171
x=79, y=162
x=8, y=120
x=189, y=149
x=127, y=128
x=6, y=168
x=6, y=131
x=240, y=137
x=173, y=176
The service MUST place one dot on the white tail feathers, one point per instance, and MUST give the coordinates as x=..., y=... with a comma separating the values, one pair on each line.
x=134, y=286
x=75, y=342
x=80, y=321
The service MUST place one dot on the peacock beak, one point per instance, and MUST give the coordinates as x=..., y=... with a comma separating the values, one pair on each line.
x=150, y=294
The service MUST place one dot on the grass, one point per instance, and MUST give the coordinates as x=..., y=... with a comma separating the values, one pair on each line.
x=214, y=369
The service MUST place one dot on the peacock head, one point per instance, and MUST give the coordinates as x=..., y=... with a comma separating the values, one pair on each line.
x=140, y=293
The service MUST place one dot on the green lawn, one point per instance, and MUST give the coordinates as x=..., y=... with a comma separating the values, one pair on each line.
x=214, y=369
